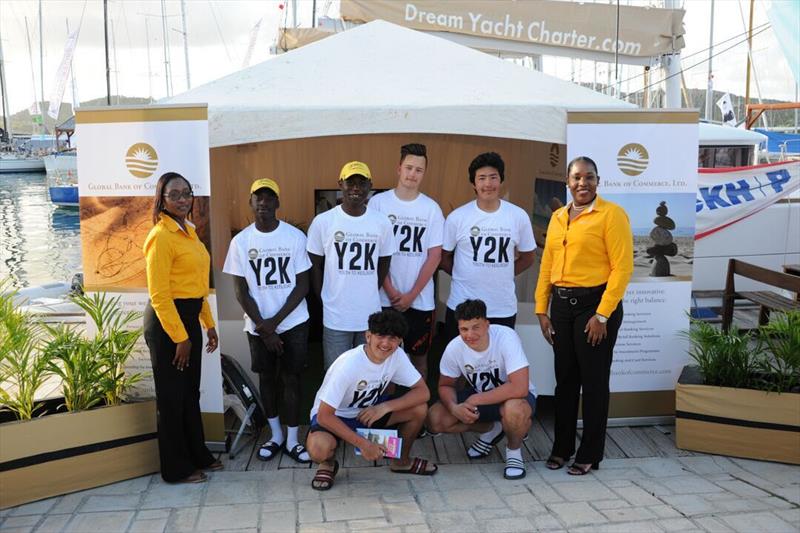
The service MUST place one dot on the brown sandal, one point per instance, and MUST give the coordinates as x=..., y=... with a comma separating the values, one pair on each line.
x=195, y=477
x=418, y=467
x=555, y=462
x=325, y=477
x=578, y=469
x=215, y=466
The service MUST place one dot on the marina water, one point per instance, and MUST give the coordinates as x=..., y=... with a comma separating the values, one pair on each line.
x=39, y=242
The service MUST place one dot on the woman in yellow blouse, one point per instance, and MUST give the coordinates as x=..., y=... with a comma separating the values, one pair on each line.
x=177, y=280
x=587, y=262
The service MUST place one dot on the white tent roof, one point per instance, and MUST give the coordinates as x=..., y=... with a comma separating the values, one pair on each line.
x=715, y=135
x=383, y=78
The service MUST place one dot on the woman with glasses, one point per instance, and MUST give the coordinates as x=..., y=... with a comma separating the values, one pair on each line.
x=586, y=265
x=177, y=281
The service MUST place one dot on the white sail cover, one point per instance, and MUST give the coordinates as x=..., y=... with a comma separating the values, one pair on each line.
x=383, y=78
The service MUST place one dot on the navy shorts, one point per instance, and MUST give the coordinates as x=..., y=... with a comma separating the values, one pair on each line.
x=491, y=413
x=353, y=423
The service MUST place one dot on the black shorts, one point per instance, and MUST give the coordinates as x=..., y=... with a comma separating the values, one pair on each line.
x=491, y=412
x=420, y=331
x=295, y=351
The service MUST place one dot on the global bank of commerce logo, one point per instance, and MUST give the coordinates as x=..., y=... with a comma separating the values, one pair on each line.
x=633, y=159
x=141, y=160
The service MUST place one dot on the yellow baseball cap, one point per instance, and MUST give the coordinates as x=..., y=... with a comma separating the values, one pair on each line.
x=265, y=183
x=354, y=168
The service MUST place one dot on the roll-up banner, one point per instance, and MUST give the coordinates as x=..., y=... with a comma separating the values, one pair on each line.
x=647, y=163
x=123, y=152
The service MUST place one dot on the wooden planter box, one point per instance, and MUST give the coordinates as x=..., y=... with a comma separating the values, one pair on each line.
x=736, y=422
x=62, y=453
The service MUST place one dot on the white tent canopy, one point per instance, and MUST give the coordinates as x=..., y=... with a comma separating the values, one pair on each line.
x=383, y=78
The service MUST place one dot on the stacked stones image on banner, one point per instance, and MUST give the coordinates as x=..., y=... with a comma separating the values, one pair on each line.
x=663, y=234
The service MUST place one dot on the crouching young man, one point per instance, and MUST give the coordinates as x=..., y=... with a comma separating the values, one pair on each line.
x=352, y=396
x=499, y=399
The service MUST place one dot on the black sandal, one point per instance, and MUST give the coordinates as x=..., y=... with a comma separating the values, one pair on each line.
x=295, y=453
x=578, y=469
x=555, y=462
x=272, y=447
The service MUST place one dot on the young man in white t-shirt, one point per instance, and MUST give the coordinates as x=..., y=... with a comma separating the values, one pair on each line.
x=350, y=247
x=352, y=396
x=418, y=223
x=269, y=265
x=487, y=242
x=499, y=398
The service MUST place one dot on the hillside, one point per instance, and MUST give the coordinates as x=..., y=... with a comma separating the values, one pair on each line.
x=22, y=124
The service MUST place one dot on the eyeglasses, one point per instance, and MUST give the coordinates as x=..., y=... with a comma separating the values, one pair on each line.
x=174, y=196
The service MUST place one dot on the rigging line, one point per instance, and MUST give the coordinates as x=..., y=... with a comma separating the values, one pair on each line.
x=219, y=30
x=699, y=62
x=704, y=50
x=127, y=29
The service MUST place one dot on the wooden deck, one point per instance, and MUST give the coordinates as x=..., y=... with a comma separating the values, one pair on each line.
x=621, y=442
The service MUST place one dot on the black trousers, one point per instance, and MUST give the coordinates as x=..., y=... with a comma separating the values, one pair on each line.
x=181, y=442
x=579, y=365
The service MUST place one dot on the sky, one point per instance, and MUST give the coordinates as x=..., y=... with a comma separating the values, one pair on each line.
x=219, y=34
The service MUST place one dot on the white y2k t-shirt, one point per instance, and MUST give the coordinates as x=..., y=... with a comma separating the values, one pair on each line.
x=270, y=263
x=351, y=246
x=489, y=369
x=353, y=382
x=418, y=225
x=483, y=246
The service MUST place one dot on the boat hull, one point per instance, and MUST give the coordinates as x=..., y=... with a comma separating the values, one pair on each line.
x=20, y=165
x=62, y=179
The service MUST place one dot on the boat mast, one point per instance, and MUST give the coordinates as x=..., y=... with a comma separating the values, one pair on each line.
x=108, y=65
x=3, y=88
x=149, y=66
x=165, y=38
x=185, y=45
x=749, y=52
x=41, y=68
x=710, y=88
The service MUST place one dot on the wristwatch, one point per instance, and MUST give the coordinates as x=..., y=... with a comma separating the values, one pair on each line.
x=600, y=318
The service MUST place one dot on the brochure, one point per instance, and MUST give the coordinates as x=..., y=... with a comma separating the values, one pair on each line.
x=386, y=437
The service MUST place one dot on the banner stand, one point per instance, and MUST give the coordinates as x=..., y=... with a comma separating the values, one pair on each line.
x=123, y=152
x=647, y=163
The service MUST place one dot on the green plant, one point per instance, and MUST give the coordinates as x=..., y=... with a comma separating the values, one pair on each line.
x=113, y=344
x=23, y=367
x=780, y=365
x=726, y=359
x=74, y=359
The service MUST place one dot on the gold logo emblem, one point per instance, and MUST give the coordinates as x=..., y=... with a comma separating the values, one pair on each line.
x=633, y=159
x=141, y=160
x=554, y=155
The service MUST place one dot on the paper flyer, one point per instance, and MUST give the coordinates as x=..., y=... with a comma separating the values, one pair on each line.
x=385, y=437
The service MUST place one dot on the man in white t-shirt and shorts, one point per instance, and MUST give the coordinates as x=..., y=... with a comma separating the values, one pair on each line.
x=499, y=399
x=352, y=396
x=418, y=223
x=487, y=242
x=350, y=247
x=269, y=265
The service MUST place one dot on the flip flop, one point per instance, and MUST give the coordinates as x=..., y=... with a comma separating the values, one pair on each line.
x=555, y=462
x=215, y=466
x=196, y=477
x=272, y=447
x=418, y=467
x=513, y=462
x=324, y=478
x=483, y=448
x=578, y=469
x=295, y=453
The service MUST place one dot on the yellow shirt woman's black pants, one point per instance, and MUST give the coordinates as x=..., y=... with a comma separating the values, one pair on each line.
x=579, y=365
x=181, y=442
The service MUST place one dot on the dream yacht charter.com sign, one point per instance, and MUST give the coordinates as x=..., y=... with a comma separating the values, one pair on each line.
x=644, y=31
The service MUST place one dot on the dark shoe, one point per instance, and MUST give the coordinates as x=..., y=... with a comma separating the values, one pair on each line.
x=268, y=451
x=295, y=453
x=578, y=469
x=417, y=467
x=555, y=462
